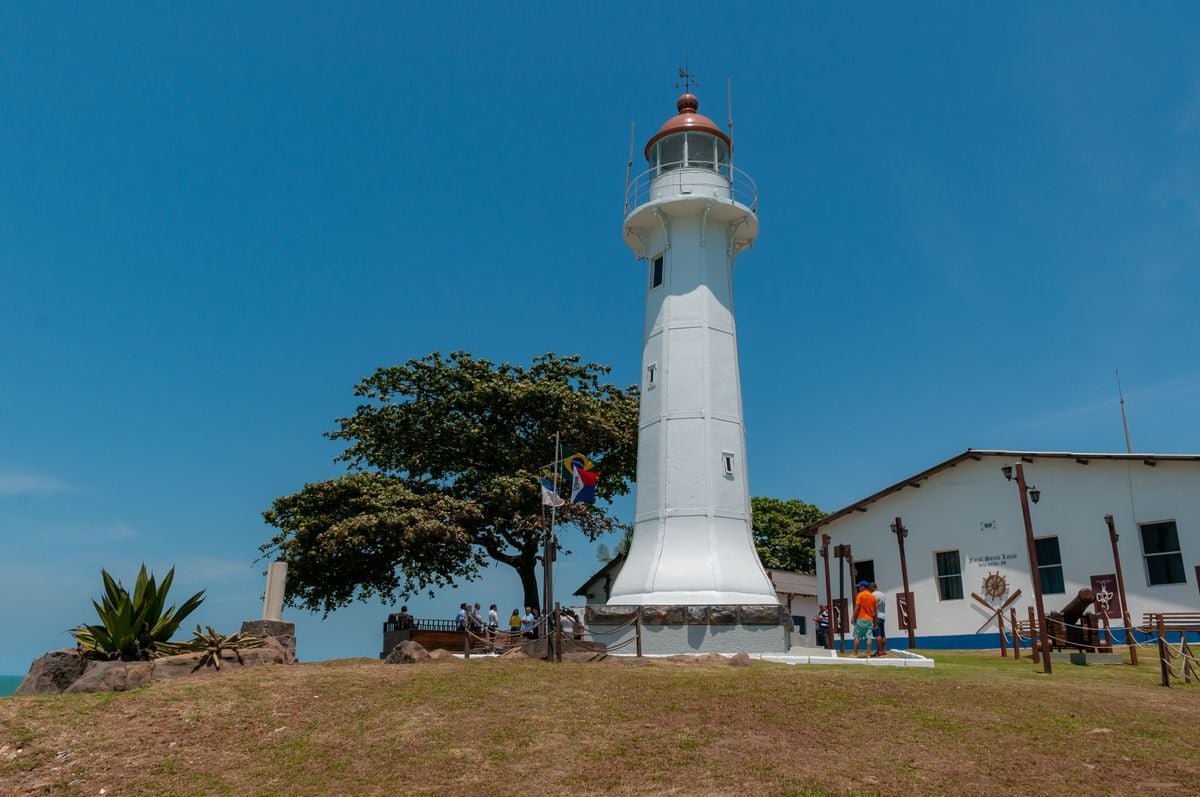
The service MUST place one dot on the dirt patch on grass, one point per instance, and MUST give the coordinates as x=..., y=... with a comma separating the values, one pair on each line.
x=976, y=724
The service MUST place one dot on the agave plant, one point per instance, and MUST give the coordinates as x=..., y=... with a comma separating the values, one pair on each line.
x=132, y=627
x=211, y=645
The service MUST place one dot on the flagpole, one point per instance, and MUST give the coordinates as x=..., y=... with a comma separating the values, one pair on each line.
x=548, y=552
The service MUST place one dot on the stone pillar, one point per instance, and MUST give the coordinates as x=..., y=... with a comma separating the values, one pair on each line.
x=282, y=632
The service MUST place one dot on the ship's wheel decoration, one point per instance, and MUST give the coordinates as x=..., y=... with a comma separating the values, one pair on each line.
x=994, y=586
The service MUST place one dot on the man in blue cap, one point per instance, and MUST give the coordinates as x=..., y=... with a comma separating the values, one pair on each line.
x=864, y=617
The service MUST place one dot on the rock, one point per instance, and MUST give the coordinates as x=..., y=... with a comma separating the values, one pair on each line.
x=663, y=615
x=442, y=655
x=761, y=614
x=712, y=658
x=53, y=672
x=722, y=615
x=603, y=614
x=169, y=668
x=740, y=660
x=282, y=632
x=515, y=653
x=113, y=676
x=407, y=652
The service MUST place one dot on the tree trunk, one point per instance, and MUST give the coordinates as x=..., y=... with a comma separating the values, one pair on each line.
x=527, y=570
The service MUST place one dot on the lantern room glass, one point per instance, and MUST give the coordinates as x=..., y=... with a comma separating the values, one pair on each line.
x=693, y=150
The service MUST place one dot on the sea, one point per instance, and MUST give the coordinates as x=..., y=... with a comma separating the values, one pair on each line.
x=8, y=683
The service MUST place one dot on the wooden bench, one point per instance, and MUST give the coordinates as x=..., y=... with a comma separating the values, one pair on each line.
x=1171, y=621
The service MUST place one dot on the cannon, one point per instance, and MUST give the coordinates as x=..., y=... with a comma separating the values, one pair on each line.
x=1075, y=627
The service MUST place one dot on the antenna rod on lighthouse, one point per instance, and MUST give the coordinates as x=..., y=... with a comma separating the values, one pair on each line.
x=629, y=164
x=1124, y=417
x=729, y=105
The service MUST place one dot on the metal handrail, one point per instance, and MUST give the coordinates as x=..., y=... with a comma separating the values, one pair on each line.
x=742, y=188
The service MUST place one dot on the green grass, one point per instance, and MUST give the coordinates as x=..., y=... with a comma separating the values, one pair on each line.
x=975, y=724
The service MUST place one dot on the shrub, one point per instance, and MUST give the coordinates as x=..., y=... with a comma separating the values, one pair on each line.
x=134, y=627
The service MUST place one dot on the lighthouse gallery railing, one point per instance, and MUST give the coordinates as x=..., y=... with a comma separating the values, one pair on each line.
x=680, y=179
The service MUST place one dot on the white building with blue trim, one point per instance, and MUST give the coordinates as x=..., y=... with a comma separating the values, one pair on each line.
x=965, y=524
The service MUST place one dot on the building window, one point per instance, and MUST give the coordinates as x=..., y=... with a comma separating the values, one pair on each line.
x=656, y=272
x=949, y=576
x=799, y=621
x=865, y=570
x=727, y=462
x=651, y=376
x=1050, y=565
x=1164, y=559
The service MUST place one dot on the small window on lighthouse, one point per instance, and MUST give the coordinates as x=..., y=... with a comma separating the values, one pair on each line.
x=651, y=376
x=727, y=461
x=656, y=272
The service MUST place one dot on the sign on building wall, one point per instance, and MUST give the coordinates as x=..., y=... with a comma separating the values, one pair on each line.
x=906, y=610
x=840, y=617
x=992, y=560
x=1108, y=602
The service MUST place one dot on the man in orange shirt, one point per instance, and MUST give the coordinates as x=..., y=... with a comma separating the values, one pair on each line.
x=864, y=617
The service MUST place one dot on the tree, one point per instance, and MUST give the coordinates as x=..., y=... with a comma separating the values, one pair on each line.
x=775, y=526
x=445, y=456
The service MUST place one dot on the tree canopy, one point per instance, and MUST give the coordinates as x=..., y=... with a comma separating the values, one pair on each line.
x=775, y=526
x=445, y=454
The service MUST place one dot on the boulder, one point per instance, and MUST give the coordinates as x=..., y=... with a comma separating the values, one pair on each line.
x=169, y=668
x=53, y=672
x=408, y=652
x=515, y=653
x=282, y=632
x=442, y=655
x=740, y=660
x=113, y=676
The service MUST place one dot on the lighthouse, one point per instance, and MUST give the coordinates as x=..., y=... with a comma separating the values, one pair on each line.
x=688, y=217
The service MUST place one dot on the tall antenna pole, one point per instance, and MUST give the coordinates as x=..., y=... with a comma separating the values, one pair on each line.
x=1124, y=417
x=629, y=166
x=729, y=104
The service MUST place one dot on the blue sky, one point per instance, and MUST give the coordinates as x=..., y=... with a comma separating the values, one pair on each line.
x=214, y=222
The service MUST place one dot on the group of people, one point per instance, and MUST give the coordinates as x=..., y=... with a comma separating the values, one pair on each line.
x=528, y=625
x=870, y=608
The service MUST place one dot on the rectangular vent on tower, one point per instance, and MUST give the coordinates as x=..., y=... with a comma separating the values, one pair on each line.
x=727, y=461
x=656, y=272
x=651, y=376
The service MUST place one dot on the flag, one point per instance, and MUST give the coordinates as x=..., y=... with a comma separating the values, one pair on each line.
x=583, y=485
x=573, y=459
x=549, y=496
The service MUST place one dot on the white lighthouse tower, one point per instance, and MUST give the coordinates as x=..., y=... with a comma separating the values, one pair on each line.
x=688, y=216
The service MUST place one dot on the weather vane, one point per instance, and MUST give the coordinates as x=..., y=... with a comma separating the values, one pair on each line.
x=689, y=80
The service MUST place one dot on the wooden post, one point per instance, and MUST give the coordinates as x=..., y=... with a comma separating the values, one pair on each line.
x=467, y=639
x=1034, y=572
x=1003, y=644
x=1034, y=645
x=1012, y=613
x=1164, y=664
x=901, y=533
x=1186, y=651
x=828, y=591
x=1126, y=617
x=557, y=633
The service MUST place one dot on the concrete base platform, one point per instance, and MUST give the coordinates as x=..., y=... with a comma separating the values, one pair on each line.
x=669, y=630
x=1078, y=657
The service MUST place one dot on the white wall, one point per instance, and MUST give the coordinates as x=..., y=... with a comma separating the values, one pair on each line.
x=948, y=512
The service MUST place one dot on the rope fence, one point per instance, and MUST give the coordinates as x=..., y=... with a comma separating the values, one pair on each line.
x=500, y=642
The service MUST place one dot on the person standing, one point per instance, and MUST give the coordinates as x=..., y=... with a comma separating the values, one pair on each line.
x=822, y=621
x=864, y=618
x=527, y=623
x=460, y=619
x=880, y=612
